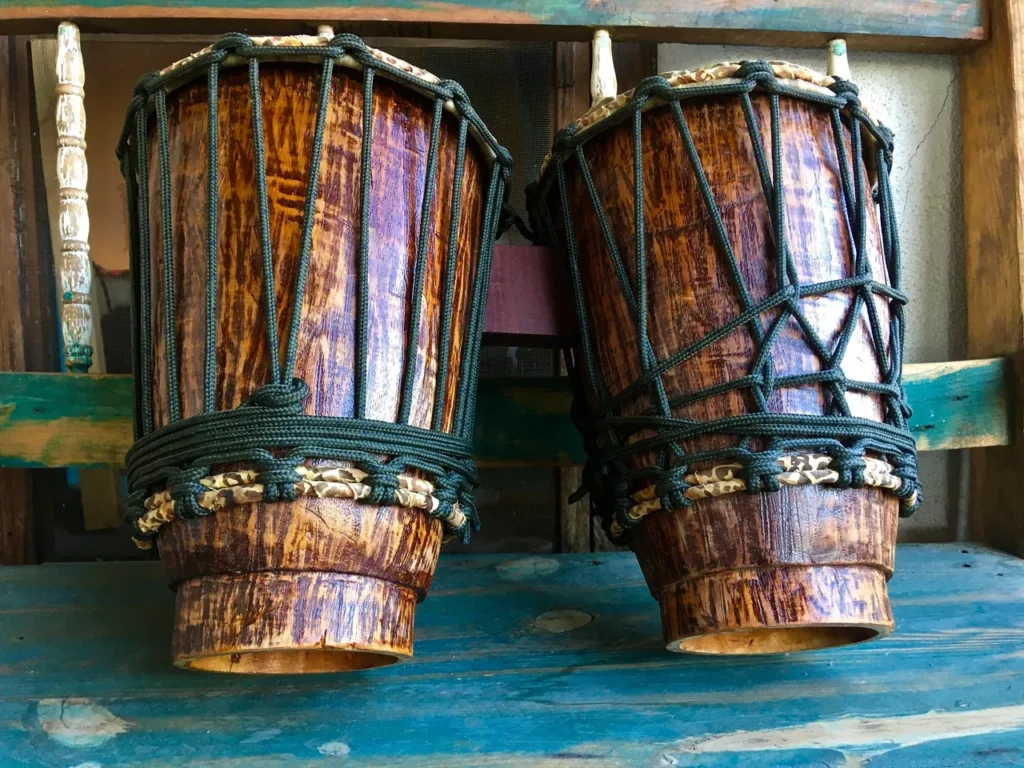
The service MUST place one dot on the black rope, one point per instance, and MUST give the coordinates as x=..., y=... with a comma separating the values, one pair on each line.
x=271, y=429
x=612, y=438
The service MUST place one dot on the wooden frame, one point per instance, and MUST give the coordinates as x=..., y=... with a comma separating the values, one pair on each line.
x=942, y=25
x=992, y=119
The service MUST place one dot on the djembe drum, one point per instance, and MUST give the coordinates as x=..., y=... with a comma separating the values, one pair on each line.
x=730, y=243
x=312, y=223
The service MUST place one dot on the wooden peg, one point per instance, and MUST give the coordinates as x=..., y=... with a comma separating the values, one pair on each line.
x=838, y=64
x=603, y=84
x=326, y=31
x=73, y=218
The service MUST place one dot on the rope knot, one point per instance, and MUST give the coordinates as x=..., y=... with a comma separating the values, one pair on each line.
x=758, y=71
x=762, y=471
x=383, y=482
x=184, y=487
x=284, y=397
x=847, y=88
x=454, y=91
x=671, y=489
x=278, y=478
x=849, y=464
x=232, y=41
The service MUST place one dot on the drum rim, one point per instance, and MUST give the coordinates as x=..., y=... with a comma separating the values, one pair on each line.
x=602, y=114
x=486, y=143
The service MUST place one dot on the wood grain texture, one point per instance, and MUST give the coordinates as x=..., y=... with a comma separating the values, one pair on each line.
x=941, y=25
x=992, y=120
x=494, y=672
x=48, y=420
x=258, y=587
x=691, y=294
x=16, y=201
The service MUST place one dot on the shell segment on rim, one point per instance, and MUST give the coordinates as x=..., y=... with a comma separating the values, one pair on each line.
x=429, y=80
x=794, y=75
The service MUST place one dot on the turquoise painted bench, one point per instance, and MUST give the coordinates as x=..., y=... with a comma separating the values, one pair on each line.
x=521, y=661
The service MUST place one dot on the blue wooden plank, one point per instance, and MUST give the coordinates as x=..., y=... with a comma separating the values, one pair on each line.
x=54, y=420
x=85, y=678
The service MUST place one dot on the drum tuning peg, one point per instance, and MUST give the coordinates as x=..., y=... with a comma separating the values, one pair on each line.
x=603, y=84
x=325, y=30
x=838, y=64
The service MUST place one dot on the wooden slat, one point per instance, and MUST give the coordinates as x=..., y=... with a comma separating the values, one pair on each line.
x=540, y=661
x=16, y=231
x=938, y=25
x=50, y=420
x=992, y=118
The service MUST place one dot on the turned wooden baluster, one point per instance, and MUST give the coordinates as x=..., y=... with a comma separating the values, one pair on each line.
x=604, y=86
x=75, y=267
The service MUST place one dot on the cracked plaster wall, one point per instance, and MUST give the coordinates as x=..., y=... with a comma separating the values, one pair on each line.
x=917, y=97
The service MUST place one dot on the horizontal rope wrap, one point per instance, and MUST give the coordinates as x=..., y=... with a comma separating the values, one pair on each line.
x=180, y=455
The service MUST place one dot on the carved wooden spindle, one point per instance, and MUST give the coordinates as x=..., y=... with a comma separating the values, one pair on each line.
x=73, y=222
x=603, y=84
x=838, y=64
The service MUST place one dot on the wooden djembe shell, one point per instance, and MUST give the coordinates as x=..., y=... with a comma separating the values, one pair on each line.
x=802, y=568
x=313, y=585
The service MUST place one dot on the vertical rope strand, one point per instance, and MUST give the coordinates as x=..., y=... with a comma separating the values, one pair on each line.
x=483, y=283
x=145, y=369
x=131, y=194
x=212, y=210
x=463, y=422
x=308, y=213
x=167, y=249
x=263, y=211
x=363, y=279
x=450, y=269
x=657, y=390
x=419, y=267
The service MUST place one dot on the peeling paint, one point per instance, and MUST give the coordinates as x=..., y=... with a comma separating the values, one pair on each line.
x=864, y=737
x=526, y=568
x=563, y=620
x=78, y=722
x=334, y=749
x=263, y=735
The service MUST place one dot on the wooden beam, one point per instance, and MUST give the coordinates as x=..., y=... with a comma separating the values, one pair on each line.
x=992, y=119
x=16, y=230
x=897, y=25
x=59, y=420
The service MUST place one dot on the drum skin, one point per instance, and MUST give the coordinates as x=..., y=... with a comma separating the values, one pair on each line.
x=315, y=584
x=802, y=568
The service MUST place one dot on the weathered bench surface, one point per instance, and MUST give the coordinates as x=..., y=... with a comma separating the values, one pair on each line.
x=501, y=679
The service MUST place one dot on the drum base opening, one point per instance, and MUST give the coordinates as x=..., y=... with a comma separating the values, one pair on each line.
x=291, y=622
x=297, y=662
x=781, y=609
x=754, y=642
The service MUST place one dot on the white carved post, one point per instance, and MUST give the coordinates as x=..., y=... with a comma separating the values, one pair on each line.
x=604, y=86
x=73, y=221
x=838, y=65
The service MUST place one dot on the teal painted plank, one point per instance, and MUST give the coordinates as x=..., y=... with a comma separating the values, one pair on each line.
x=80, y=420
x=489, y=686
x=883, y=24
x=963, y=404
